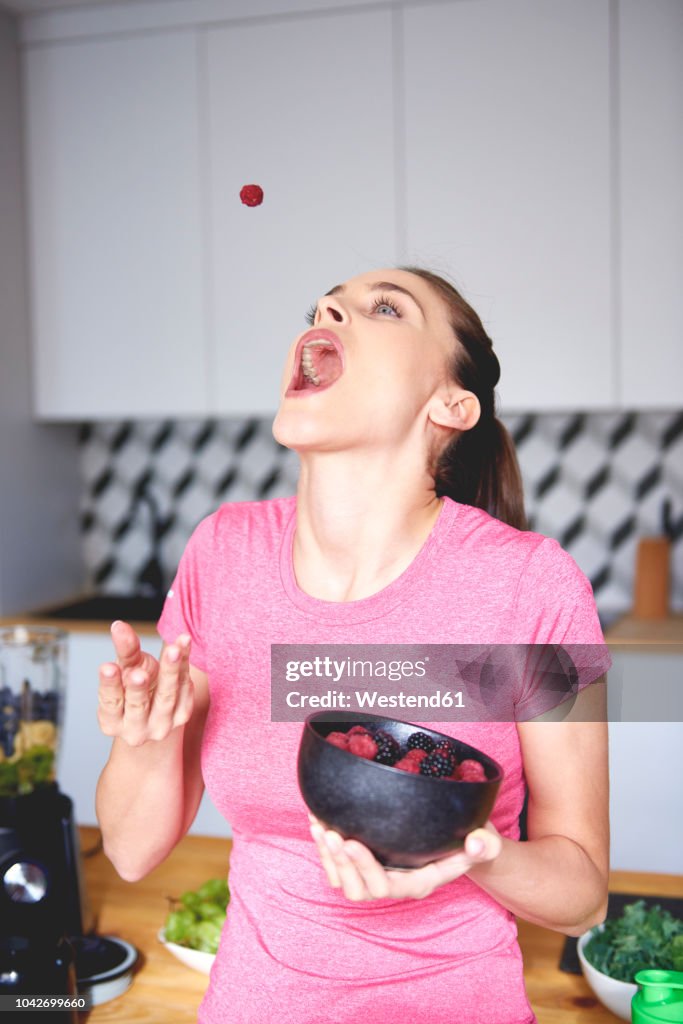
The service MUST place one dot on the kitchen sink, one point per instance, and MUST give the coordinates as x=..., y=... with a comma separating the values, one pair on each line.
x=108, y=607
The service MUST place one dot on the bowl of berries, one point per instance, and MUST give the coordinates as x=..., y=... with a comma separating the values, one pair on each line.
x=409, y=794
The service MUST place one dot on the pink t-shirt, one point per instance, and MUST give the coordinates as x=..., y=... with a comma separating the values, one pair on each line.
x=293, y=949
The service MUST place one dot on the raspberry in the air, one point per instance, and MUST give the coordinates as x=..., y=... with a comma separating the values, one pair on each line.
x=251, y=195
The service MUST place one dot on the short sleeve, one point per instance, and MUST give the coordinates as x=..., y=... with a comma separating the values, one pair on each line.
x=556, y=614
x=183, y=610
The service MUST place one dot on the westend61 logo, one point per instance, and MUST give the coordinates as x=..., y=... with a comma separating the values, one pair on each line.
x=335, y=670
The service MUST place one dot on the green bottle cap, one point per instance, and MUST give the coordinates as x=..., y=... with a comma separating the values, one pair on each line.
x=659, y=999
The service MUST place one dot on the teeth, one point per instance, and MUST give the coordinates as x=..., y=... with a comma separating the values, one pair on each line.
x=307, y=359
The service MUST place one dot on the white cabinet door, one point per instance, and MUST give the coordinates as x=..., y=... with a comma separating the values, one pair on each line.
x=304, y=108
x=84, y=749
x=115, y=218
x=651, y=137
x=507, y=183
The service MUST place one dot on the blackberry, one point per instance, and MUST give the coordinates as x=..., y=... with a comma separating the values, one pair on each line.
x=447, y=750
x=421, y=741
x=436, y=765
x=388, y=750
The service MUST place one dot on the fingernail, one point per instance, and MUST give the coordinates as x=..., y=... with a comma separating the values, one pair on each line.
x=184, y=639
x=137, y=677
x=109, y=671
x=476, y=847
x=117, y=622
x=173, y=654
x=333, y=842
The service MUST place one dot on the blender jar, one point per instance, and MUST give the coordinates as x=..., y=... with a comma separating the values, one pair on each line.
x=32, y=682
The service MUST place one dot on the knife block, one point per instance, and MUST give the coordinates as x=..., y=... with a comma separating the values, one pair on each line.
x=652, y=579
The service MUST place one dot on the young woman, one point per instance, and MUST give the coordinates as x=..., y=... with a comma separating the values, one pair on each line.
x=407, y=527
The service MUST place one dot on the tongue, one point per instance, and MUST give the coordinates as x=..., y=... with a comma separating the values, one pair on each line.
x=327, y=365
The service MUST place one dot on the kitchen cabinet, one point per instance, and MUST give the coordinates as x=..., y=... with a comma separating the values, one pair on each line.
x=530, y=150
x=115, y=227
x=304, y=107
x=651, y=150
x=641, y=747
x=84, y=749
x=507, y=183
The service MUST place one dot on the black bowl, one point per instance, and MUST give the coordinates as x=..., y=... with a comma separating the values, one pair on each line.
x=407, y=820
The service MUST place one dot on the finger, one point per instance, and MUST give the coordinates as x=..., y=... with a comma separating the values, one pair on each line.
x=318, y=833
x=378, y=883
x=137, y=701
x=164, y=692
x=110, y=699
x=126, y=644
x=185, y=699
x=350, y=878
x=482, y=845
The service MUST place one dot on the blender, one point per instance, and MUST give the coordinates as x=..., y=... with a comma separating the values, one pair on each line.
x=47, y=942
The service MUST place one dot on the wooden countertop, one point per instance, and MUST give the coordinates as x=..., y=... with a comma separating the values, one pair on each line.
x=75, y=625
x=165, y=990
x=629, y=633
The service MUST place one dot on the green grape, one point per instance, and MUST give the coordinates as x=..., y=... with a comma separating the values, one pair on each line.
x=200, y=917
x=178, y=924
x=191, y=900
x=205, y=936
x=208, y=911
x=214, y=891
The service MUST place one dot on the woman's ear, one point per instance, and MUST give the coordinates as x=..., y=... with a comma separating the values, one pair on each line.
x=459, y=410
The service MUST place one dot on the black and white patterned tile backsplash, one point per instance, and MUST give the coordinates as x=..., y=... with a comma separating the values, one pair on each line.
x=596, y=482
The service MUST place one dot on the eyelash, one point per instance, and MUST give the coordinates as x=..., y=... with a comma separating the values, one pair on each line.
x=381, y=300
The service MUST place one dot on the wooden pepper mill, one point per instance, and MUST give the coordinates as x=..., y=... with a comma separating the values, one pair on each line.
x=653, y=572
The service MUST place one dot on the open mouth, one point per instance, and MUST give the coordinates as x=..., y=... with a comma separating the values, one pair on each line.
x=320, y=364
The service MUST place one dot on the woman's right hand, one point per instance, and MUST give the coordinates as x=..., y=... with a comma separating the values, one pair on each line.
x=140, y=698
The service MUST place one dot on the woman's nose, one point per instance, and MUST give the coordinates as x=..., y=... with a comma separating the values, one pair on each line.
x=331, y=309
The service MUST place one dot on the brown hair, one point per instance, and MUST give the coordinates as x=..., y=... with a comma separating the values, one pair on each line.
x=479, y=466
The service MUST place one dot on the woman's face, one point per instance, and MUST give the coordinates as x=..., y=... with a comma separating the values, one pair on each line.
x=371, y=370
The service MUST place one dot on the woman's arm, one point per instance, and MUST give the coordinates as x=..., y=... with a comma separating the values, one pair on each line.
x=558, y=878
x=150, y=789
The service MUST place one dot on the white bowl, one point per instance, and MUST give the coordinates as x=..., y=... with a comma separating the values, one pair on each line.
x=194, y=958
x=615, y=995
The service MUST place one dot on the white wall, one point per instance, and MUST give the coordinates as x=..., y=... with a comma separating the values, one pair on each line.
x=40, y=551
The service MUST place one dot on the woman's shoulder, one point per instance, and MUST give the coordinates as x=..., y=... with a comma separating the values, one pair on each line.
x=523, y=551
x=233, y=521
x=480, y=531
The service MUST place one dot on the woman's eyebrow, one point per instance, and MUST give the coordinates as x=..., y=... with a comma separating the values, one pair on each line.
x=381, y=286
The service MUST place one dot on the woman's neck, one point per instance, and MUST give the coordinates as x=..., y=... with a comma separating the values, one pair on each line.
x=359, y=524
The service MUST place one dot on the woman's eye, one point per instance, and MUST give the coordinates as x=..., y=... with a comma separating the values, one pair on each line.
x=310, y=315
x=385, y=307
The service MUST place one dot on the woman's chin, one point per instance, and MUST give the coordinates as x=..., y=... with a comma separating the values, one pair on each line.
x=296, y=431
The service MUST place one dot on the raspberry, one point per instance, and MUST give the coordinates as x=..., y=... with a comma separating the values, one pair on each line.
x=408, y=764
x=436, y=765
x=421, y=741
x=387, y=748
x=363, y=746
x=338, y=739
x=471, y=771
x=416, y=754
x=251, y=195
x=357, y=730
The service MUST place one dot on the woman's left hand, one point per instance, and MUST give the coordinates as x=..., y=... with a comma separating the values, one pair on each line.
x=351, y=867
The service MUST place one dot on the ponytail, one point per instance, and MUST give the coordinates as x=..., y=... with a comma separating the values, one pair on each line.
x=479, y=466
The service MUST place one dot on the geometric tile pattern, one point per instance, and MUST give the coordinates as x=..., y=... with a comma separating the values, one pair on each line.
x=594, y=481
